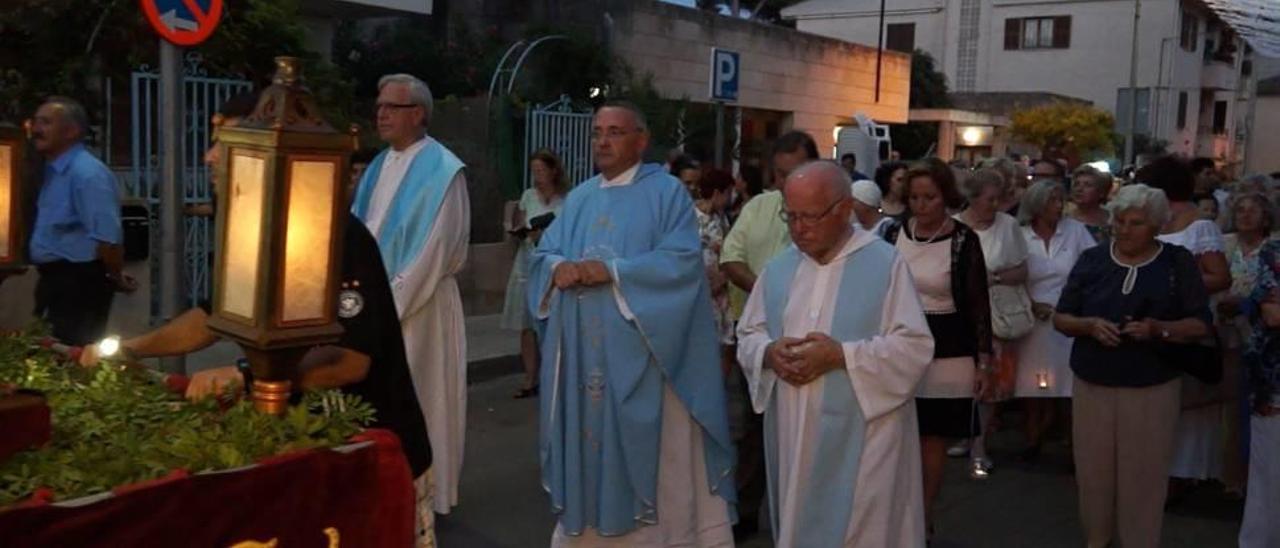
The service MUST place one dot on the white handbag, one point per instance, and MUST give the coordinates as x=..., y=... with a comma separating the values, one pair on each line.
x=1011, y=316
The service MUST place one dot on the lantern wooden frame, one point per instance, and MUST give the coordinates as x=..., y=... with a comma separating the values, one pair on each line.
x=284, y=129
x=13, y=144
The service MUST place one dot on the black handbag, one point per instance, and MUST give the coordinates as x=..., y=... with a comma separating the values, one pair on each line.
x=1201, y=359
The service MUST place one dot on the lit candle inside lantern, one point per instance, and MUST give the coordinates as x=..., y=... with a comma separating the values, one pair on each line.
x=1042, y=380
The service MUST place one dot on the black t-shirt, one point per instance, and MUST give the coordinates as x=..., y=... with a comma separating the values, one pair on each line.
x=367, y=312
x=371, y=326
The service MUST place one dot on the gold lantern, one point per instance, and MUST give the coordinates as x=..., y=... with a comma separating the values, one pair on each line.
x=280, y=229
x=13, y=142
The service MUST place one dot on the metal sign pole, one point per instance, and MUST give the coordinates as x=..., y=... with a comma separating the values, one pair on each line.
x=719, y=134
x=171, y=199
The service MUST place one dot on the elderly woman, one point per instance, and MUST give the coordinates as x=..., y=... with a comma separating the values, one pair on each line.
x=1249, y=220
x=1129, y=305
x=1262, y=356
x=1089, y=191
x=1198, y=450
x=945, y=258
x=1015, y=173
x=1055, y=243
x=1005, y=254
x=537, y=205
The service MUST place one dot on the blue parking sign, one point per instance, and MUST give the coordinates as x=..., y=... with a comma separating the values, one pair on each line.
x=725, y=70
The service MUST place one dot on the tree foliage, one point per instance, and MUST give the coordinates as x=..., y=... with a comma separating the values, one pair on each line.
x=764, y=10
x=113, y=39
x=1065, y=129
x=928, y=90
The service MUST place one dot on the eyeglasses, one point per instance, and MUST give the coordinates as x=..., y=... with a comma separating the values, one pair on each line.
x=393, y=106
x=612, y=134
x=807, y=220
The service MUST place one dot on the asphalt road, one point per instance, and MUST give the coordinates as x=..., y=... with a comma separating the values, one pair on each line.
x=503, y=505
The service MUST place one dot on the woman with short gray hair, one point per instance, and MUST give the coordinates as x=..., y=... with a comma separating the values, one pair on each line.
x=1134, y=306
x=1005, y=253
x=1054, y=243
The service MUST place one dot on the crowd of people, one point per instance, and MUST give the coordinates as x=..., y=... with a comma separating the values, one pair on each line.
x=1123, y=316
x=817, y=340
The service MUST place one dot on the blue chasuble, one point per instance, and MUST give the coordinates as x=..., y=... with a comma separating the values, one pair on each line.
x=827, y=503
x=602, y=382
x=413, y=210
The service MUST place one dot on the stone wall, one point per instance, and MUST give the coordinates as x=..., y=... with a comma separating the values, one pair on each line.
x=821, y=82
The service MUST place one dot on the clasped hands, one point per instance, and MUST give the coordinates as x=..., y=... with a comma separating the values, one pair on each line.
x=1111, y=335
x=570, y=274
x=802, y=361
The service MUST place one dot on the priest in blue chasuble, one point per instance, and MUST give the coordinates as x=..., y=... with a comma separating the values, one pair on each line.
x=634, y=439
x=836, y=318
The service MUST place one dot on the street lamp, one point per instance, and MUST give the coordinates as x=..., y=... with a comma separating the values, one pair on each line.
x=13, y=141
x=280, y=225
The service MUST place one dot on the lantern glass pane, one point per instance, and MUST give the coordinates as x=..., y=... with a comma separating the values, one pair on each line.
x=245, y=203
x=6, y=200
x=307, y=239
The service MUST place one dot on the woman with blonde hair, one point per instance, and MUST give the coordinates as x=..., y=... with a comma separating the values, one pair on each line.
x=1090, y=189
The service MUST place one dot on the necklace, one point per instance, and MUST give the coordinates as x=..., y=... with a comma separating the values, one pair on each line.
x=916, y=235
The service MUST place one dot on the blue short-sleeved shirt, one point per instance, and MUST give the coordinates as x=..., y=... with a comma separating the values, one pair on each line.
x=78, y=208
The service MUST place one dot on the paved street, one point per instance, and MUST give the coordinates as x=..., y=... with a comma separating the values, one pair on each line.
x=502, y=504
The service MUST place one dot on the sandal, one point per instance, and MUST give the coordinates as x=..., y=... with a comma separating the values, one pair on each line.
x=526, y=392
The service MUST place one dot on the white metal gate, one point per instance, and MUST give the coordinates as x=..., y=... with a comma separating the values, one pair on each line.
x=202, y=98
x=563, y=130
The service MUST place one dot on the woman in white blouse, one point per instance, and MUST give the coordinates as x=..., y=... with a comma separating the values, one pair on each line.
x=1044, y=364
x=1199, y=446
x=545, y=198
x=1005, y=252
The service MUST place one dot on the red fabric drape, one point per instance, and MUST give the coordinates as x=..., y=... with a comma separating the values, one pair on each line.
x=365, y=496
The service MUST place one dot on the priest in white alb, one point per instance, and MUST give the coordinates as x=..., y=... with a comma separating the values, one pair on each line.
x=413, y=198
x=833, y=341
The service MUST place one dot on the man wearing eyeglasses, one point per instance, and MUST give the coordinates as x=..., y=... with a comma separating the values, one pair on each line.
x=756, y=237
x=634, y=441
x=413, y=198
x=837, y=320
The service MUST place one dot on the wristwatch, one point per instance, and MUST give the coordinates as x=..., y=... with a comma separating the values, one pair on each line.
x=246, y=373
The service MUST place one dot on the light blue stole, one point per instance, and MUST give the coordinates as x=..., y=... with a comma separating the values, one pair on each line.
x=827, y=500
x=413, y=210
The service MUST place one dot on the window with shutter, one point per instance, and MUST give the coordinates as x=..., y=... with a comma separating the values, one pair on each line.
x=1012, y=33
x=1062, y=32
x=1038, y=32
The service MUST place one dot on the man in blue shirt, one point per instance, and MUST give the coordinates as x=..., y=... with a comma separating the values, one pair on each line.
x=75, y=243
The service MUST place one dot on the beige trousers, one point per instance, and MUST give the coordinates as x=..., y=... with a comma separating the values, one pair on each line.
x=1123, y=445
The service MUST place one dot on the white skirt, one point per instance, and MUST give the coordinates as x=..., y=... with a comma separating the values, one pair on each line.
x=515, y=314
x=1197, y=449
x=1044, y=353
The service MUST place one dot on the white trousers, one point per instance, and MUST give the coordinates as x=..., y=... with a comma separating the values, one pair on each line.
x=1261, y=529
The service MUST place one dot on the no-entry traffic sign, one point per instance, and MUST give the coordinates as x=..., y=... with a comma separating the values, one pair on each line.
x=183, y=22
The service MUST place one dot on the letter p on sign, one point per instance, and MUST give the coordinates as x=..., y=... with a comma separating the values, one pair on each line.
x=724, y=75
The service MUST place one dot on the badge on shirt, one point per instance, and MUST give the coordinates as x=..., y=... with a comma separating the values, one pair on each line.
x=350, y=301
